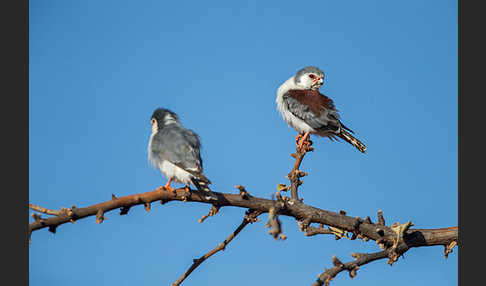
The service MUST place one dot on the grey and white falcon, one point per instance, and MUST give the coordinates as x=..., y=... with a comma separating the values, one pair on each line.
x=175, y=151
x=308, y=111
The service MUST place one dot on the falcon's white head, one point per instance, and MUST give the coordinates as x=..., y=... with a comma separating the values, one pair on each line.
x=309, y=78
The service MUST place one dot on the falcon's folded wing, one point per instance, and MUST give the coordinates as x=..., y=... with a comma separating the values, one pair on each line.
x=313, y=108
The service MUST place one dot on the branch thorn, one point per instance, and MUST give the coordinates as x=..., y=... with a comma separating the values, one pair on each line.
x=99, y=216
x=336, y=262
x=124, y=210
x=448, y=248
x=147, y=207
x=381, y=219
x=52, y=228
x=243, y=193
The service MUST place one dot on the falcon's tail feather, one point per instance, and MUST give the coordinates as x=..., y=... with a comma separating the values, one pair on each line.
x=201, y=184
x=352, y=140
x=347, y=128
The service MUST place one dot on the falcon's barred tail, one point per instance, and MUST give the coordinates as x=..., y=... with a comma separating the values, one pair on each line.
x=201, y=184
x=352, y=140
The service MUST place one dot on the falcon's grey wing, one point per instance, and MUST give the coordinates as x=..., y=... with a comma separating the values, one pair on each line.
x=313, y=108
x=181, y=147
x=318, y=111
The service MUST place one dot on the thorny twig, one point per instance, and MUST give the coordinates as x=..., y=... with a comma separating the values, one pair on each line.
x=212, y=211
x=43, y=210
x=353, y=266
x=250, y=217
x=403, y=242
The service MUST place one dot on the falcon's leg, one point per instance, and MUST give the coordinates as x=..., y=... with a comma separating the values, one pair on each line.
x=304, y=140
x=167, y=186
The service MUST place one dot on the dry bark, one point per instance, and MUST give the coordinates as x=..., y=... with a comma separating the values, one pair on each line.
x=395, y=239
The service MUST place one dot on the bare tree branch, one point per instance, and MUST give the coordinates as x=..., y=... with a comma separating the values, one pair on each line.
x=250, y=217
x=395, y=239
x=443, y=236
x=296, y=209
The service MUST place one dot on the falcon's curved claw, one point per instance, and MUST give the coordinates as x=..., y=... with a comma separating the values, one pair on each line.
x=302, y=140
x=187, y=193
x=167, y=186
x=298, y=137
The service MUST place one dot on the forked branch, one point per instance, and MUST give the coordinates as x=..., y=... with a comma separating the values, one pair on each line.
x=394, y=240
x=444, y=236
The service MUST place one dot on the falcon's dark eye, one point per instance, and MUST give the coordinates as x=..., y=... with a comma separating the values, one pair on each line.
x=152, y=121
x=312, y=76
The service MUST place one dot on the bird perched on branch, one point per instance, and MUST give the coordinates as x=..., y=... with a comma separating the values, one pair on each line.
x=175, y=151
x=308, y=111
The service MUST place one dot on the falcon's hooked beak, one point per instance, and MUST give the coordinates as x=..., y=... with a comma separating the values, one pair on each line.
x=317, y=82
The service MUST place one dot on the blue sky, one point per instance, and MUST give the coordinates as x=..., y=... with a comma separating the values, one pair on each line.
x=98, y=69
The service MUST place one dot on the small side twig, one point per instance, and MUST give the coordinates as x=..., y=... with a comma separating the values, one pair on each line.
x=212, y=211
x=311, y=231
x=43, y=210
x=338, y=233
x=243, y=192
x=448, y=248
x=63, y=212
x=353, y=266
x=274, y=224
x=381, y=219
x=100, y=216
x=250, y=217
